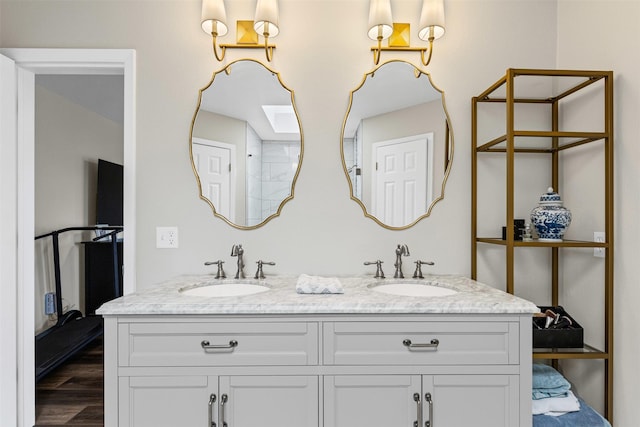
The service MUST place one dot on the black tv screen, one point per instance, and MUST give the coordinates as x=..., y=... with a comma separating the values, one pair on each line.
x=109, y=193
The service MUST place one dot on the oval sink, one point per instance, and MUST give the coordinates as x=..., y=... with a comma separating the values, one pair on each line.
x=225, y=290
x=413, y=289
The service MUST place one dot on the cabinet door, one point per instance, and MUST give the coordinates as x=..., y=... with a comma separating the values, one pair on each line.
x=283, y=401
x=370, y=400
x=166, y=401
x=472, y=400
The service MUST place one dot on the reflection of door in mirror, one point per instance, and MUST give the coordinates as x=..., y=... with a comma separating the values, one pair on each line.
x=213, y=162
x=402, y=178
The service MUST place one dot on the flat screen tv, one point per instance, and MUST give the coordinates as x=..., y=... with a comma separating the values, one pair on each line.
x=109, y=193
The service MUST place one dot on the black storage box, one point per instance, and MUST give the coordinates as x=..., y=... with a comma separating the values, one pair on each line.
x=569, y=337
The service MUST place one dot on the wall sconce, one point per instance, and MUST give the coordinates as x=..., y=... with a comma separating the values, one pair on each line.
x=381, y=27
x=380, y=24
x=214, y=19
x=266, y=24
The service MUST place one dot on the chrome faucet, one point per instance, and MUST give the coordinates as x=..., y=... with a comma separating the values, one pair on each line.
x=400, y=251
x=259, y=272
x=418, y=273
x=236, y=250
x=220, y=273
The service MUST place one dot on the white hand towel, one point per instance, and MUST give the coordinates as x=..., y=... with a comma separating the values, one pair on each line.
x=318, y=285
x=556, y=405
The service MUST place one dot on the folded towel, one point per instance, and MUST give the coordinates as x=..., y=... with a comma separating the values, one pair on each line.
x=586, y=416
x=547, y=382
x=556, y=406
x=318, y=285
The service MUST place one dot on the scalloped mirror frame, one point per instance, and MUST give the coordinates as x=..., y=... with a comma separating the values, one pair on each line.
x=227, y=69
x=448, y=149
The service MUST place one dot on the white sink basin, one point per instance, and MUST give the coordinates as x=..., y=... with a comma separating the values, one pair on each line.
x=413, y=289
x=235, y=289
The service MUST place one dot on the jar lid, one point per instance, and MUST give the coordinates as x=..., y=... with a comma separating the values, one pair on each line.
x=550, y=198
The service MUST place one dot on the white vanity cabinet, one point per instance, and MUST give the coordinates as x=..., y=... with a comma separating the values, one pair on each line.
x=460, y=355
x=421, y=400
x=238, y=400
x=318, y=370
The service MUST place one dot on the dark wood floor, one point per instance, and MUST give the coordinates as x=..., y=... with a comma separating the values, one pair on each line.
x=72, y=395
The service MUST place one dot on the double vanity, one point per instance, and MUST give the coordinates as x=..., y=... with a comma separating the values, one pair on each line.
x=199, y=351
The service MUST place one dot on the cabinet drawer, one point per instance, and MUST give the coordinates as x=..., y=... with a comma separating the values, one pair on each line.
x=229, y=344
x=421, y=343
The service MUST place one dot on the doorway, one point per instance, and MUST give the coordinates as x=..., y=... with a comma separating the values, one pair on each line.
x=18, y=397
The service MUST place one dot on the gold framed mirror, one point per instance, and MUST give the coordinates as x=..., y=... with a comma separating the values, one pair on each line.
x=246, y=144
x=396, y=144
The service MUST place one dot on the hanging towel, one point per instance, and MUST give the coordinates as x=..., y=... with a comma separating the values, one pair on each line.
x=318, y=285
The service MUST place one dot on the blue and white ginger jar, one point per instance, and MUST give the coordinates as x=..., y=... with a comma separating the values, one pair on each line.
x=550, y=218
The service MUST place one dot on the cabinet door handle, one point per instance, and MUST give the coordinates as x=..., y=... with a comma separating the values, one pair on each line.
x=432, y=345
x=223, y=401
x=416, y=398
x=212, y=400
x=206, y=345
x=429, y=422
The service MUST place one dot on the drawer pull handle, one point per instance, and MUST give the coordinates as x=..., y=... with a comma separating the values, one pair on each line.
x=429, y=422
x=223, y=401
x=416, y=398
x=208, y=346
x=212, y=400
x=433, y=344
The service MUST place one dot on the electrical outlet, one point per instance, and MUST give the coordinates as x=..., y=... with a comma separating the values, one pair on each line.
x=49, y=303
x=599, y=236
x=166, y=237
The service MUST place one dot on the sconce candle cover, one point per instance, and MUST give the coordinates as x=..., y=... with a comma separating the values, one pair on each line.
x=267, y=12
x=213, y=12
x=380, y=19
x=432, y=16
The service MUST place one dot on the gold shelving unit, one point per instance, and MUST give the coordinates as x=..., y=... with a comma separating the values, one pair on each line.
x=560, y=85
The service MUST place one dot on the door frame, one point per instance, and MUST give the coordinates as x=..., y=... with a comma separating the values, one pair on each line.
x=30, y=62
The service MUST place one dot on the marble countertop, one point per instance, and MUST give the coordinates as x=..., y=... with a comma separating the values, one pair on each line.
x=282, y=298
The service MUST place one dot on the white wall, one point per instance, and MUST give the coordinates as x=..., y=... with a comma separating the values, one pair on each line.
x=613, y=46
x=322, y=231
x=69, y=141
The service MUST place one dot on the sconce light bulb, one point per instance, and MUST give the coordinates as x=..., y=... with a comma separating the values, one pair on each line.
x=266, y=19
x=431, y=20
x=214, y=17
x=380, y=20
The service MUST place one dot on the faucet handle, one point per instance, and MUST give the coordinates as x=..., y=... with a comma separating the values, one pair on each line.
x=236, y=250
x=379, y=272
x=418, y=273
x=259, y=273
x=220, y=273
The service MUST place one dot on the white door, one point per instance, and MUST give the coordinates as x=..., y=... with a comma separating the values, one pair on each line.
x=8, y=254
x=371, y=400
x=283, y=401
x=213, y=161
x=472, y=400
x=400, y=185
x=168, y=401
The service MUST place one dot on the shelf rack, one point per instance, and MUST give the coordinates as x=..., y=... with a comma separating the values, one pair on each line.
x=522, y=142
